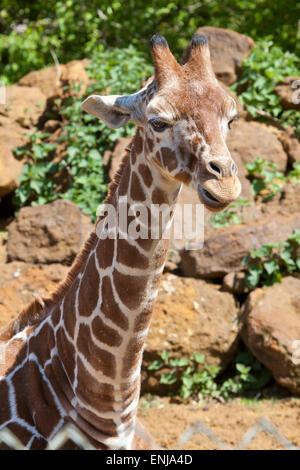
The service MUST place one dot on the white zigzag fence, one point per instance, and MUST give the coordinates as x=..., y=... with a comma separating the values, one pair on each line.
x=71, y=433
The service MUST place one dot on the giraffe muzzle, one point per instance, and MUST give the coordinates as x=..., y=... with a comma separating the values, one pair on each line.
x=217, y=194
x=209, y=200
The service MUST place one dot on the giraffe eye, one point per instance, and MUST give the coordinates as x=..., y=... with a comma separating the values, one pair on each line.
x=158, y=125
x=235, y=118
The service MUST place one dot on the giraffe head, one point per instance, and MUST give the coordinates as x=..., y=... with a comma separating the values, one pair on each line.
x=184, y=115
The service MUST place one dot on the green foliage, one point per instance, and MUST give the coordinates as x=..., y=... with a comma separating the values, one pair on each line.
x=119, y=71
x=265, y=177
x=229, y=216
x=84, y=137
x=266, y=66
x=199, y=380
x=36, y=184
x=73, y=30
x=267, y=264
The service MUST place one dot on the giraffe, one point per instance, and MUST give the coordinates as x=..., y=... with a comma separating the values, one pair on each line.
x=75, y=357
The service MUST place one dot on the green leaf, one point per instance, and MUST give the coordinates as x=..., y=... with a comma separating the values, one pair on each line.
x=286, y=256
x=271, y=266
x=257, y=186
x=72, y=151
x=179, y=362
x=164, y=355
x=156, y=365
x=263, y=251
x=169, y=378
x=198, y=357
x=253, y=275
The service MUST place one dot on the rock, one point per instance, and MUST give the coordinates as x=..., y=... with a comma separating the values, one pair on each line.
x=291, y=145
x=51, y=79
x=235, y=283
x=74, y=73
x=51, y=126
x=290, y=198
x=24, y=105
x=20, y=282
x=270, y=322
x=3, y=240
x=112, y=158
x=248, y=140
x=10, y=168
x=51, y=233
x=47, y=80
x=287, y=201
x=228, y=49
x=289, y=93
x=173, y=260
x=190, y=316
x=225, y=248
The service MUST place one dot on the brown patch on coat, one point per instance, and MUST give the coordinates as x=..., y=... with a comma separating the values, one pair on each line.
x=130, y=289
x=105, y=252
x=87, y=296
x=130, y=256
x=99, y=358
x=145, y=173
x=169, y=158
x=110, y=308
x=136, y=191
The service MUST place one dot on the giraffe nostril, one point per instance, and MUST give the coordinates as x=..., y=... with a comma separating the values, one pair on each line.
x=215, y=168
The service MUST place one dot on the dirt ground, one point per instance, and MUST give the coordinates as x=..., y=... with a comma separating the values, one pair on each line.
x=228, y=423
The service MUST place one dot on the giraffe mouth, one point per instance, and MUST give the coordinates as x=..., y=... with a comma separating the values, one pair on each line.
x=210, y=201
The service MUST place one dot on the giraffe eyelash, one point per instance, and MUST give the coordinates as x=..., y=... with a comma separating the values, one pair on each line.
x=158, y=125
x=235, y=118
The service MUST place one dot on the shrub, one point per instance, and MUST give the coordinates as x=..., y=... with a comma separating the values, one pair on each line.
x=266, y=66
x=199, y=380
x=267, y=264
x=267, y=180
x=29, y=30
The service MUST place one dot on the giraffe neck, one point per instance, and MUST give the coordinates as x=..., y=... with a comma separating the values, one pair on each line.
x=105, y=315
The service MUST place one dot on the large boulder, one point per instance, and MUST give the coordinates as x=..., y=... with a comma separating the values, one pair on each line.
x=22, y=110
x=10, y=168
x=24, y=105
x=190, y=316
x=51, y=79
x=270, y=322
x=291, y=145
x=225, y=248
x=248, y=140
x=228, y=49
x=289, y=93
x=20, y=283
x=287, y=201
x=51, y=233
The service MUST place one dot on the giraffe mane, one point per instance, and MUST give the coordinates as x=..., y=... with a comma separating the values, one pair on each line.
x=41, y=307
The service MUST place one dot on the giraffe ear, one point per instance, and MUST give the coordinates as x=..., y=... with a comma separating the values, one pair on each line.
x=108, y=109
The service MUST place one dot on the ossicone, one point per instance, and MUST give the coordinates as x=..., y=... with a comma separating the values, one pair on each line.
x=164, y=61
x=196, y=58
